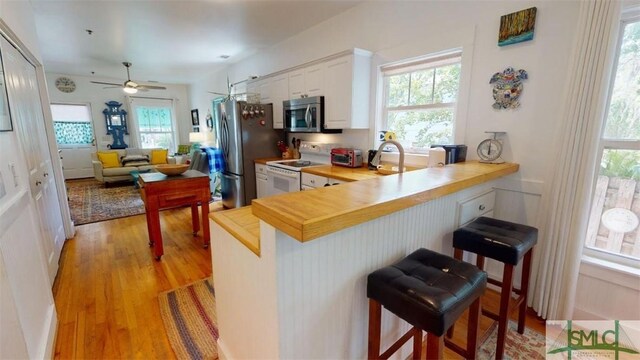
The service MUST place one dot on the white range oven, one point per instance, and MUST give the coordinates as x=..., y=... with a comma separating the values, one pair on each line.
x=285, y=175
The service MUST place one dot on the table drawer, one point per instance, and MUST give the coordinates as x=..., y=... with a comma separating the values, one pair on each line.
x=477, y=206
x=170, y=200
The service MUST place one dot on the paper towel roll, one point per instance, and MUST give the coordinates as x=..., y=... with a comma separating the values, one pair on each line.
x=437, y=157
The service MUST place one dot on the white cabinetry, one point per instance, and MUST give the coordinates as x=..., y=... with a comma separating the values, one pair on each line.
x=307, y=81
x=310, y=181
x=261, y=180
x=346, y=91
x=279, y=93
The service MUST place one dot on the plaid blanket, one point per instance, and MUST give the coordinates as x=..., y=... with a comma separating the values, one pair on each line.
x=216, y=162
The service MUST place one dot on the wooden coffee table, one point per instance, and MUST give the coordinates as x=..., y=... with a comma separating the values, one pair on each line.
x=159, y=191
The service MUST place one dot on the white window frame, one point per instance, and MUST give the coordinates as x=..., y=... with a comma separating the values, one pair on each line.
x=134, y=101
x=614, y=260
x=431, y=61
x=91, y=121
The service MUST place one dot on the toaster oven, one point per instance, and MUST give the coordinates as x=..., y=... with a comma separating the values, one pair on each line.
x=346, y=157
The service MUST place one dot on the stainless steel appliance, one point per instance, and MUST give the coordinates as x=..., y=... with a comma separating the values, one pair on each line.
x=305, y=115
x=245, y=132
x=346, y=157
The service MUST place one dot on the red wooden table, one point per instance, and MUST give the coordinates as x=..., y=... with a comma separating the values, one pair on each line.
x=159, y=191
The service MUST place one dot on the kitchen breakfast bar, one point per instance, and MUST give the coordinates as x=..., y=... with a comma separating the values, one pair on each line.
x=290, y=271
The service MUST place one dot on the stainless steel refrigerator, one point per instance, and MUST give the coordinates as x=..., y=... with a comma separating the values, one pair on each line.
x=245, y=132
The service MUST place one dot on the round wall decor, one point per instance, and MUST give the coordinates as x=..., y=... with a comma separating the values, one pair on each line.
x=65, y=84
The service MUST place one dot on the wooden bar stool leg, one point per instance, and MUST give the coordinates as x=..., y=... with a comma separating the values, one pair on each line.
x=473, y=329
x=457, y=254
x=524, y=286
x=435, y=347
x=505, y=296
x=417, y=344
x=375, y=319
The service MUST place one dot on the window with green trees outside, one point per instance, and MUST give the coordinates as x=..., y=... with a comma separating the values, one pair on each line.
x=420, y=100
x=613, y=232
x=155, y=127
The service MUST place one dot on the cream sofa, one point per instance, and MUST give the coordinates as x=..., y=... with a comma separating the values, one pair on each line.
x=122, y=173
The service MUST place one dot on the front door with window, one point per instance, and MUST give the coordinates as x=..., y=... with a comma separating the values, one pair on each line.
x=75, y=137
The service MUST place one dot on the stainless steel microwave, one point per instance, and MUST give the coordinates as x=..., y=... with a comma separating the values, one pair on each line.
x=305, y=115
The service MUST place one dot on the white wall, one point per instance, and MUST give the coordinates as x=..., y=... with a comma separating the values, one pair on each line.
x=396, y=30
x=32, y=322
x=399, y=30
x=96, y=96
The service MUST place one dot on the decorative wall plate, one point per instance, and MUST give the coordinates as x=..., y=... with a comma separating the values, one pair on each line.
x=507, y=87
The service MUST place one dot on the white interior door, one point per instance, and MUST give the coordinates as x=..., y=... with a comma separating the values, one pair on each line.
x=75, y=137
x=26, y=109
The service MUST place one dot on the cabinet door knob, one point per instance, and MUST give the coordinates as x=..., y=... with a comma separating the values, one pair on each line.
x=38, y=183
x=46, y=174
x=481, y=207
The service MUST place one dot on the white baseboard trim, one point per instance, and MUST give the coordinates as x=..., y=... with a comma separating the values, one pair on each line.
x=223, y=351
x=579, y=314
x=47, y=352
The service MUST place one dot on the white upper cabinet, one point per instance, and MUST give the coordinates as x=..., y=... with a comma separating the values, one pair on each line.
x=346, y=91
x=343, y=79
x=306, y=82
x=279, y=93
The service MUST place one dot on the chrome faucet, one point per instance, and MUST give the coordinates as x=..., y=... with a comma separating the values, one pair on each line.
x=376, y=159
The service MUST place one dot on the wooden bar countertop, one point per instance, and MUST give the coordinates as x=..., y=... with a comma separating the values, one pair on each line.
x=307, y=215
x=342, y=173
x=242, y=224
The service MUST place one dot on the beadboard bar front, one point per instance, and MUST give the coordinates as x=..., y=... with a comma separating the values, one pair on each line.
x=308, y=299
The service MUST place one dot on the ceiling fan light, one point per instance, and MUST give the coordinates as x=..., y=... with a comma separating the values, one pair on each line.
x=130, y=90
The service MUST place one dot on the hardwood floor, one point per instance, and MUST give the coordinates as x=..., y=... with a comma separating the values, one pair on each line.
x=108, y=284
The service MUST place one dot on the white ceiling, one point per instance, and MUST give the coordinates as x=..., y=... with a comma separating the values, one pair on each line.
x=167, y=41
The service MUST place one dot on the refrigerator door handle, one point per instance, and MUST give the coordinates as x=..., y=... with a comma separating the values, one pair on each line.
x=224, y=138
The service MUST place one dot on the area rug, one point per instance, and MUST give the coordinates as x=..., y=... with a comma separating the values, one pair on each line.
x=90, y=201
x=189, y=319
x=530, y=345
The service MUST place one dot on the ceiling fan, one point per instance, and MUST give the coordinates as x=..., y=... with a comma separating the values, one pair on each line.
x=129, y=86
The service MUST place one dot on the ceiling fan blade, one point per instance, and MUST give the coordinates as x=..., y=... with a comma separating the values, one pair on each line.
x=112, y=87
x=151, y=87
x=106, y=83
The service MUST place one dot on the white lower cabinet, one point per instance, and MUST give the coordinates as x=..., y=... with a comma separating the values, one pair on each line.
x=261, y=180
x=311, y=181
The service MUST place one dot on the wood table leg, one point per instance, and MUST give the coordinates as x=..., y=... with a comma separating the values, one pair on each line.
x=147, y=214
x=205, y=222
x=195, y=220
x=154, y=228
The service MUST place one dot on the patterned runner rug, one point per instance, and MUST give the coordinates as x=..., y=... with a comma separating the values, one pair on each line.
x=530, y=345
x=189, y=319
x=90, y=201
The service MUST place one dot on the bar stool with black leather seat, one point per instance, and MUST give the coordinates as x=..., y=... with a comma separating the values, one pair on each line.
x=508, y=243
x=430, y=291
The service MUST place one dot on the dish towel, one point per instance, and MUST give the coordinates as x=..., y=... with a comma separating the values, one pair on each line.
x=214, y=156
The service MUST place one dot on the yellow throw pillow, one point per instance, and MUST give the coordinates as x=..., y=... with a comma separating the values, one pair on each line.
x=159, y=156
x=109, y=159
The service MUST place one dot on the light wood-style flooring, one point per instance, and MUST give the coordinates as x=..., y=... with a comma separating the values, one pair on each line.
x=106, y=291
x=107, y=288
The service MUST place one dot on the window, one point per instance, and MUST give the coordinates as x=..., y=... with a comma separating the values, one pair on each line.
x=155, y=123
x=420, y=101
x=72, y=124
x=613, y=232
